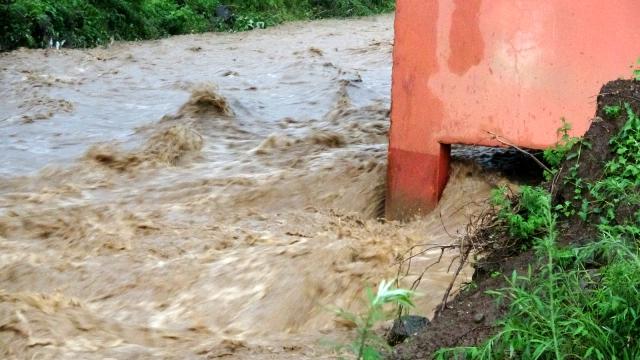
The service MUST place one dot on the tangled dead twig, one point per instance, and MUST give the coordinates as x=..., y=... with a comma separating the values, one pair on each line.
x=477, y=241
x=407, y=260
x=444, y=227
x=554, y=181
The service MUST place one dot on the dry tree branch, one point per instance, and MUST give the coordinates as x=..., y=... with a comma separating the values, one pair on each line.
x=463, y=260
x=411, y=256
x=476, y=241
x=453, y=259
x=416, y=282
x=616, y=93
x=554, y=182
x=443, y=225
x=504, y=141
x=424, y=251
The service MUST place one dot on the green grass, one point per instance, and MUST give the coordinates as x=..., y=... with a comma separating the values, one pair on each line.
x=578, y=302
x=86, y=23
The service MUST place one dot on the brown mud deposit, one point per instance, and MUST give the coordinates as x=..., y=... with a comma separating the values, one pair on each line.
x=223, y=229
x=469, y=319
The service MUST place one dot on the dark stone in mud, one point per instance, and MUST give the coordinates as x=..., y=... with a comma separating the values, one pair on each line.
x=224, y=13
x=405, y=327
x=478, y=318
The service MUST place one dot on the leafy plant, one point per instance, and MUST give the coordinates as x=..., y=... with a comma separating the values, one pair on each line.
x=636, y=70
x=523, y=215
x=612, y=111
x=555, y=154
x=368, y=345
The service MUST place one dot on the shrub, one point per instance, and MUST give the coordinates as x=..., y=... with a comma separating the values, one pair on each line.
x=524, y=218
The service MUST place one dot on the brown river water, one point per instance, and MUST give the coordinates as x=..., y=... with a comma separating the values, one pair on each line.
x=205, y=196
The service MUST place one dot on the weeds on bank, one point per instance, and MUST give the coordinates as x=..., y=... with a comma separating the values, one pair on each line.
x=568, y=309
x=612, y=201
x=523, y=217
x=368, y=345
x=576, y=303
x=556, y=154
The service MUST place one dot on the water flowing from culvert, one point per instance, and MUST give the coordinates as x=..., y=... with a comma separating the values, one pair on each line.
x=204, y=196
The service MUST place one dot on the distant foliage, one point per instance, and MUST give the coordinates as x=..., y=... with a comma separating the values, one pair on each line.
x=338, y=8
x=86, y=23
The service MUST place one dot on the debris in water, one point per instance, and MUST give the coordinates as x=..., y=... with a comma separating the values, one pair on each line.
x=206, y=99
x=316, y=51
x=166, y=146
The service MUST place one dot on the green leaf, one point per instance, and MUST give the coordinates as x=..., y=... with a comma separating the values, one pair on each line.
x=370, y=353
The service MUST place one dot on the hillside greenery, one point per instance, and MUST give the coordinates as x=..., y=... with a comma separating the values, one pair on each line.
x=87, y=23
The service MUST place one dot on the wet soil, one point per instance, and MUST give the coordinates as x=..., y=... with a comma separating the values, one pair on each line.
x=470, y=318
x=591, y=162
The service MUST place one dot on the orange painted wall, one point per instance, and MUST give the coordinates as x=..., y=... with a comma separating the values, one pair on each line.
x=463, y=68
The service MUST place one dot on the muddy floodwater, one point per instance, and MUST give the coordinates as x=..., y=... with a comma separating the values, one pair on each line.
x=205, y=196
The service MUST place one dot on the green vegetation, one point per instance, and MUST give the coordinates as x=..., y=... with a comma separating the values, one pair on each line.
x=524, y=219
x=580, y=302
x=368, y=345
x=86, y=23
x=555, y=154
x=618, y=189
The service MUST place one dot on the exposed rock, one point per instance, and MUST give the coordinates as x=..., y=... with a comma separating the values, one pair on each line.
x=224, y=13
x=404, y=327
x=478, y=318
